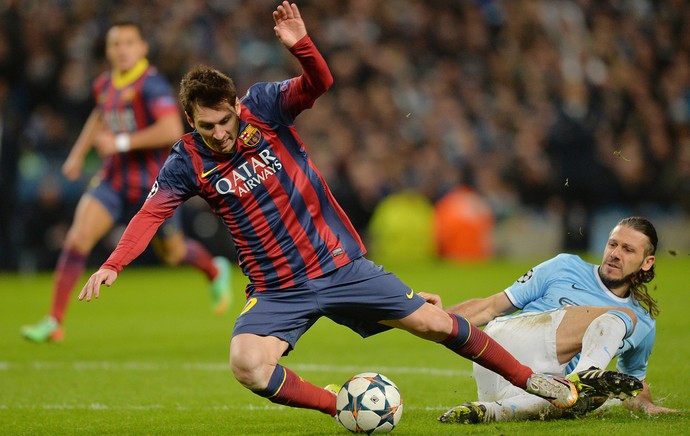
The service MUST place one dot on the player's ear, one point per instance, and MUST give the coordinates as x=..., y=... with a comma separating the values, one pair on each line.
x=190, y=120
x=648, y=263
x=238, y=106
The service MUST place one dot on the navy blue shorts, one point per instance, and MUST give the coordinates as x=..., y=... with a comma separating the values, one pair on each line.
x=357, y=295
x=122, y=210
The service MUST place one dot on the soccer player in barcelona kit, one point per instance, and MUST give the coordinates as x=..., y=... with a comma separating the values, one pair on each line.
x=134, y=124
x=302, y=255
x=576, y=317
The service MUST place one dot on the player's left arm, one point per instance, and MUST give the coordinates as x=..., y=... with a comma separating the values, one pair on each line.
x=643, y=403
x=316, y=78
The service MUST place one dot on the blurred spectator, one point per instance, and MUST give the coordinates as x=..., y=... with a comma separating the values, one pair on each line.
x=554, y=106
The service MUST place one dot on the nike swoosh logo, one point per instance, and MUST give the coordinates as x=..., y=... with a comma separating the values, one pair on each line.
x=481, y=352
x=578, y=288
x=206, y=173
x=410, y=294
x=250, y=303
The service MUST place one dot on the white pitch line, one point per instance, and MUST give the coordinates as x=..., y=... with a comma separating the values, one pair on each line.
x=218, y=366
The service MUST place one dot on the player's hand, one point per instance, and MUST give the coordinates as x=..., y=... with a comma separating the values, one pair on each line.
x=655, y=410
x=105, y=143
x=92, y=288
x=289, y=26
x=72, y=167
x=647, y=407
x=643, y=403
x=432, y=299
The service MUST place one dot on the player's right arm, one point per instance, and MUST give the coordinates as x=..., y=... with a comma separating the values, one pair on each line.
x=480, y=311
x=75, y=160
x=316, y=78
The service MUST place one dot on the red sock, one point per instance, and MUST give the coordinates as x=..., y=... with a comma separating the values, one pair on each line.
x=288, y=389
x=472, y=343
x=69, y=269
x=199, y=257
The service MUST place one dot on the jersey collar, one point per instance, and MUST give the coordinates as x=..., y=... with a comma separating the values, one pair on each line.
x=120, y=80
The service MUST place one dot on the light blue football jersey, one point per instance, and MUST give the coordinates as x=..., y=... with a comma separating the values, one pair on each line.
x=567, y=280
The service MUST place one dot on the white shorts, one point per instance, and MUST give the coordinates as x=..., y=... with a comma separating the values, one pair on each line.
x=531, y=338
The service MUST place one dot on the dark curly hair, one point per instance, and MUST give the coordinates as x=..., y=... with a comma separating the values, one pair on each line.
x=638, y=283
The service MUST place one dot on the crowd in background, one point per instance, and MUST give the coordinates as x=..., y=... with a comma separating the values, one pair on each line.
x=564, y=107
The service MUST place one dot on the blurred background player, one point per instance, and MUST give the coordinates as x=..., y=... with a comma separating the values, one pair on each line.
x=575, y=316
x=135, y=122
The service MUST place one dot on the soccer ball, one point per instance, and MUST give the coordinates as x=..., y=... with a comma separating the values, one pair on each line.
x=369, y=403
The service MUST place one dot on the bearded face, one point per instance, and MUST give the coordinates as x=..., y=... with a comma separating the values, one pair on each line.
x=625, y=255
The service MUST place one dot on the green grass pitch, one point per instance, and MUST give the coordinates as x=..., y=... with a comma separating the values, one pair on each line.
x=149, y=357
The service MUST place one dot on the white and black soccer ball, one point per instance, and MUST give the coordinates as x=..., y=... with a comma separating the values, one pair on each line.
x=369, y=403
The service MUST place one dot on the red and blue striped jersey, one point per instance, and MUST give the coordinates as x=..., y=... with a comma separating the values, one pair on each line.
x=283, y=218
x=127, y=104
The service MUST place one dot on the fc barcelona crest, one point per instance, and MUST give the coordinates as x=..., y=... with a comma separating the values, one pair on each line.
x=251, y=136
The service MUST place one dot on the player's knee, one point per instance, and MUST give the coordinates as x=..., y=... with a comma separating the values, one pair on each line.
x=248, y=369
x=170, y=259
x=620, y=315
x=249, y=377
x=630, y=313
x=170, y=255
x=78, y=240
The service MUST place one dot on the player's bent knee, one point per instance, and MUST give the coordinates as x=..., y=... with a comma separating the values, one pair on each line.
x=628, y=312
x=249, y=378
x=248, y=371
x=171, y=256
x=170, y=259
x=625, y=315
x=253, y=359
x=78, y=241
x=171, y=250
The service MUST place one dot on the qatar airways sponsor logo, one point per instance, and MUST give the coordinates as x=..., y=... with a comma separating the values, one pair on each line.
x=242, y=179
